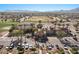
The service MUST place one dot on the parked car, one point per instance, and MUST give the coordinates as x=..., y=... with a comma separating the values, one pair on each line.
x=50, y=47
x=66, y=48
x=57, y=46
x=20, y=49
x=26, y=45
x=30, y=46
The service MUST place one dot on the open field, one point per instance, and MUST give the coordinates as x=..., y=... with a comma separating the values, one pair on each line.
x=44, y=19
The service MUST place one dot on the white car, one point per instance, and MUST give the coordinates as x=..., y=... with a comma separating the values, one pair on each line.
x=27, y=45
x=30, y=46
x=66, y=48
x=7, y=47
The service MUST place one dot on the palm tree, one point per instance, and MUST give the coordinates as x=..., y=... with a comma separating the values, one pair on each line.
x=21, y=32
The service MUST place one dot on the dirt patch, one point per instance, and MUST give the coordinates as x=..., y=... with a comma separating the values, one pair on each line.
x=3, y=33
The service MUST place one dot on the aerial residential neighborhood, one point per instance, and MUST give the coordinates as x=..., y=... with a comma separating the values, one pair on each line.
x=34, y=32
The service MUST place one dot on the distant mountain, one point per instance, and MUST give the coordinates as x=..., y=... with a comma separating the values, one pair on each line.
x=76, y=10
x=19, y=11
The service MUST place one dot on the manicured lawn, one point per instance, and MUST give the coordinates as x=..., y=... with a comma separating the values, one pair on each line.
x=2, y=30
x=5, y=24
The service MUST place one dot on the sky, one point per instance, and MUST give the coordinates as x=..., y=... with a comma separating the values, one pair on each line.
x=38, y=7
